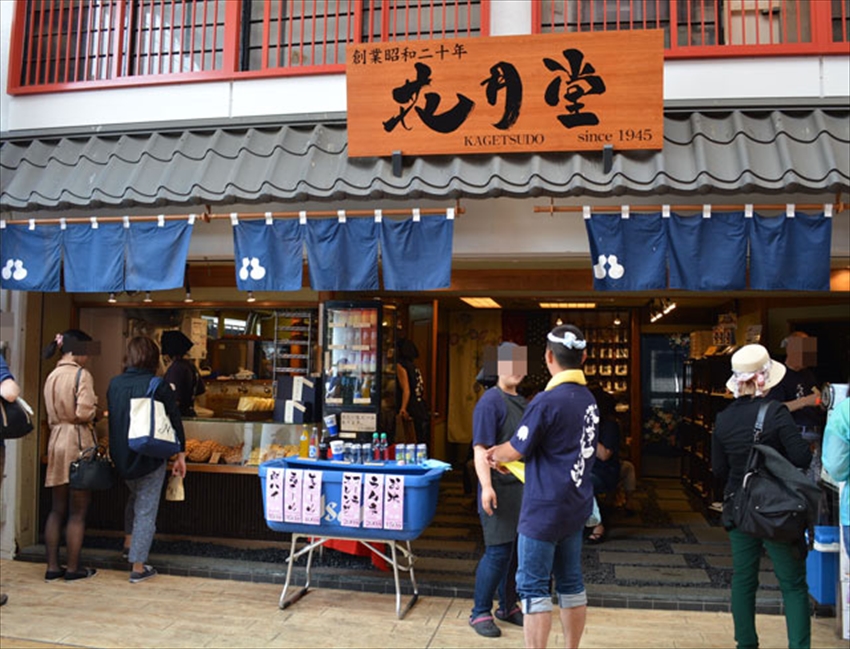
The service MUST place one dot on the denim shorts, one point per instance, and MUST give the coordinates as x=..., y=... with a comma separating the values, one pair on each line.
x=538, y=560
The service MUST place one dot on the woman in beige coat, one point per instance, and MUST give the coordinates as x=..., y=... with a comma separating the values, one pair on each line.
x=71, y=406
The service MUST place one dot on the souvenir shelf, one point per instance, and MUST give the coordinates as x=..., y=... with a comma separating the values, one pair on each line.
x=704, y=396
x=295, y=335
x=608, y=358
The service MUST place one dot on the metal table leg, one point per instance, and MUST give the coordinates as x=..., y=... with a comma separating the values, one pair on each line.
x=293, y=556
x=394, y=560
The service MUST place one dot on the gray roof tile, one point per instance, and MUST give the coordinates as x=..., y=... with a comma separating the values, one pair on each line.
x=725, y=152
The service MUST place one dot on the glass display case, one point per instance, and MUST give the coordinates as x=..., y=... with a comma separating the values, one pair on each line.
x=358, y=341
x=229, y=444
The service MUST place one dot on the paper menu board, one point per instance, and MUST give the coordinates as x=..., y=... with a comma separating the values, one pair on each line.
x=352, y=490
x=294, y=481
x=394, y=502
x=373, y=501
x=312, y=497
x=275, y=495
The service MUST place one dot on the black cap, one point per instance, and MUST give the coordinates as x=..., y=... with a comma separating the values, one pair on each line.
x=175, y=343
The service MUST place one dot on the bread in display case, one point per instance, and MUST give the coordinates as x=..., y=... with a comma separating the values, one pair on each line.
x=238, y=443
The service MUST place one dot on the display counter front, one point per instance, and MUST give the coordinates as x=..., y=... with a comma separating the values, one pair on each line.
x=222, y=499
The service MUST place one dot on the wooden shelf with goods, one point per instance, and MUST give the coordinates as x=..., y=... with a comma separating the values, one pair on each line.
x=705, y=395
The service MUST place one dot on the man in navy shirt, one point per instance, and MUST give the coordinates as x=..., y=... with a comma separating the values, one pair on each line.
x=557, y=437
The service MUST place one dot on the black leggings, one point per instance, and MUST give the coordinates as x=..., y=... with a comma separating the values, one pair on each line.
x=65, y=499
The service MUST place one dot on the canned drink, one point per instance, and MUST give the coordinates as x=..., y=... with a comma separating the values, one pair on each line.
x=421, y=453
x=365, y=452
x=399, y=453
x=355, y=453
x=410, y=453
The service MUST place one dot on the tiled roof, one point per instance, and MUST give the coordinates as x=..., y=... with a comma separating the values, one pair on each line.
x=726, y=152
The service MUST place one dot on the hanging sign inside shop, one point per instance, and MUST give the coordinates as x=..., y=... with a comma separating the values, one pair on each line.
x=508, y=94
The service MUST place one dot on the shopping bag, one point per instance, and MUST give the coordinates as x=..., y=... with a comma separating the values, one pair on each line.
x=174, y=489
x=151, y=432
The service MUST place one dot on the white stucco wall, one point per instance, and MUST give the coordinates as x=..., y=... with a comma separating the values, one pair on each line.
x=700, y=81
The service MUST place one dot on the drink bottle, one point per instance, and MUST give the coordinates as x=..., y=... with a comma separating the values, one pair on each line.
x=324, y=446
x=314, y=444
x=376, y=447
x=385, y=447
x=304, y=443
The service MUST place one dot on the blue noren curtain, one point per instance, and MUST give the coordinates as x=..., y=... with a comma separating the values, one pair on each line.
x=342, y=256
x=708, y=254
x=269, y=257
x=790, y=254
x=30, y=259
x=94, y=258
x=628, y=254
x=417, y=256
x=156, y=255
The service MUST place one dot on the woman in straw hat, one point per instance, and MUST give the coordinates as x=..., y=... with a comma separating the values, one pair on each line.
x=753, y=374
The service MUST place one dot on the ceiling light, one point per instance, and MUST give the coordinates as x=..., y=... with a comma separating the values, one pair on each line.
x=148, y=297
x=112, y=299
x=669, y=306
x=188, y=299
x=482, y=302
x=617, y=321
x=251, y=297
x=559, y=322
x=567, y=305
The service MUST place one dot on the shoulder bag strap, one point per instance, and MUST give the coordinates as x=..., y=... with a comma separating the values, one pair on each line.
x=759, y=425
x=77, y=426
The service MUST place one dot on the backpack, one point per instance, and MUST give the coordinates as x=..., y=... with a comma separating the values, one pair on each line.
x=776, y=501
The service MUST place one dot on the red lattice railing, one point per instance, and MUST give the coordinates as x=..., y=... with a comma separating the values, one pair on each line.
x=62, y=45
x=710, y=28
x=71, y=44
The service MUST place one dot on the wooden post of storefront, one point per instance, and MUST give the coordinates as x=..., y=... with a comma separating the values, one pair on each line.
x=635, y=401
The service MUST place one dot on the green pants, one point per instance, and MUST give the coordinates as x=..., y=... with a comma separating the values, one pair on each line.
x=789, y=565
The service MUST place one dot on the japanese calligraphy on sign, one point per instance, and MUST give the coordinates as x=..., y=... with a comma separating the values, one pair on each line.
x=394, y=502
x=508, y=94
x=352, y=490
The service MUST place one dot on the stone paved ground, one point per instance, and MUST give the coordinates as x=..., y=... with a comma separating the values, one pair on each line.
x=667, y=555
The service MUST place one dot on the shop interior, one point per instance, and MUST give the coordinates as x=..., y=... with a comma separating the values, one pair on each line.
x=644, y=350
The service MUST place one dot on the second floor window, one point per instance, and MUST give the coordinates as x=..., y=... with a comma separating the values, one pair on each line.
x=398, y=20
x=62, y=42
x=769, y=26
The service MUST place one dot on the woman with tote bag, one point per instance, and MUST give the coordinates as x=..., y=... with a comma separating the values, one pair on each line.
x=143, y=475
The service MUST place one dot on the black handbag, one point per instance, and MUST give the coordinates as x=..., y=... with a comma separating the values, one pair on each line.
x=17, y=419
x=776, y=501
x=93, y=470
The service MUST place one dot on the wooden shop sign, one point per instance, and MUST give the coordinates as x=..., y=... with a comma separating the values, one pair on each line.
x=507, y=94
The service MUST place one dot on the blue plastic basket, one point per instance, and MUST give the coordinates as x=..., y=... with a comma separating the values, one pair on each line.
x=421, y=489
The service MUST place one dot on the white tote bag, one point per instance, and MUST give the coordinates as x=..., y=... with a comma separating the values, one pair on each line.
x=151, y=431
